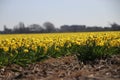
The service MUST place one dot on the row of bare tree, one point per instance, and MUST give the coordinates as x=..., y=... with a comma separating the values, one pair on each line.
x=49, y=27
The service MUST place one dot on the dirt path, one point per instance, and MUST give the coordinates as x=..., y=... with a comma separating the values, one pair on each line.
x=65, y=68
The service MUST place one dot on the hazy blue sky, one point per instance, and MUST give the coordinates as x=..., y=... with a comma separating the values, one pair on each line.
x=59, y=12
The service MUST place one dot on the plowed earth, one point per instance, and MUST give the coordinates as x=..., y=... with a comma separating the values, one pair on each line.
x=65, y=68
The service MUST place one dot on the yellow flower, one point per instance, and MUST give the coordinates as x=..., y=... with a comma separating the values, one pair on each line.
x=34, y=41
x=6, y=49
x=26, y=50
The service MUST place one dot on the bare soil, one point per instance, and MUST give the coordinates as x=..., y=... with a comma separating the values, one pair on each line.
x=64, y=68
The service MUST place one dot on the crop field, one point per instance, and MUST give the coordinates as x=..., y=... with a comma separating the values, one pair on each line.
x=27, y=48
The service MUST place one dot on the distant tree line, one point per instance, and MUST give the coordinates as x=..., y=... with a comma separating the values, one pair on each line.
x=49, y=27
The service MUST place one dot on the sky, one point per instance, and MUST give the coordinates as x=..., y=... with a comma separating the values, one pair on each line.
x=59, y=12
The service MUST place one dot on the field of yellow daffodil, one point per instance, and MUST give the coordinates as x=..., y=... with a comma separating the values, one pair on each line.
x=27, y=48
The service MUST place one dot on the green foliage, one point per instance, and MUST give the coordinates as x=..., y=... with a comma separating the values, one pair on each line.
x=89, y=52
